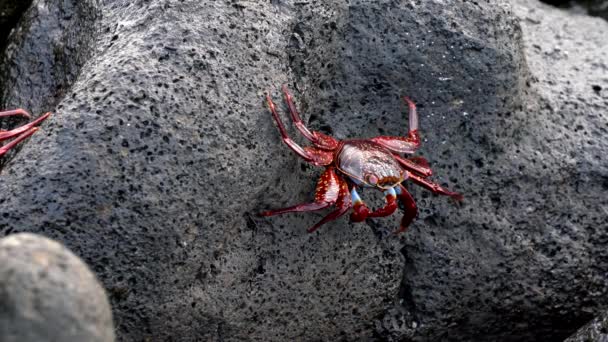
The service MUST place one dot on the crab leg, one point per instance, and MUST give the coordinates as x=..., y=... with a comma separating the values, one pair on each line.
x=326, y=194
x=4, y=149
x=14, y=112
x=319, y=139
x=434, y=187
x=19, y=130
x=312, y=155
x=22, y=132
x=421, y=167
x=407, y=144
x=343, y=204
x=409, y=206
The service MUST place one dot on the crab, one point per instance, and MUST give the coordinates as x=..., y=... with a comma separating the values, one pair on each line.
x=360, y=163
x=20, y=133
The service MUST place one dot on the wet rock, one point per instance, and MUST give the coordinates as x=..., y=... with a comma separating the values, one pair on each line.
x=164, y=150
x=596, y=330
x=48, y=294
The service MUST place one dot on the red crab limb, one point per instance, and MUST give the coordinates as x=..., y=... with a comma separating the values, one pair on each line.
x=421, y=161
x=21, y=133
x=326, y=194
x=435, y=188
x=15, y=112
x=361, y=211
x=4, y=149
x=343, y=204
x=389, y=207
x=407, y=144
x=409, y=208
x=411, y=165
x=318, y=158
x=319, y=139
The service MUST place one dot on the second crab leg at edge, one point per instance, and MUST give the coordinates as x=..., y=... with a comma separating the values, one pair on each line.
x=21, y=133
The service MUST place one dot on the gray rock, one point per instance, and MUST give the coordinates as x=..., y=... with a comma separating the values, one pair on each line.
x=48, y=294
x=10, y=11
x=596, y=331
x=164, y=147
x=164, y=150
x=45, y=52
x=526, y=258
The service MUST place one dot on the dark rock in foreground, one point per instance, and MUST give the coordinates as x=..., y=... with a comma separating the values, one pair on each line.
x=48, y=294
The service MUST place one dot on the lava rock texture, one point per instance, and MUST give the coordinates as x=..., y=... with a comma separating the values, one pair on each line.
x=596, y=331
x=162, y=151
x=48, y=294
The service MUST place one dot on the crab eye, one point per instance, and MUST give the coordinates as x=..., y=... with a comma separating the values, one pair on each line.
x=371, y=179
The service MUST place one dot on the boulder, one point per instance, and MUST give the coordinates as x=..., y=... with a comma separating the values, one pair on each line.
x=157, y=161
x=48, y=294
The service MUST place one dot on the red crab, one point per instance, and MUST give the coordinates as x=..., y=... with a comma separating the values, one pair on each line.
x=355, y=163
x=19, y=133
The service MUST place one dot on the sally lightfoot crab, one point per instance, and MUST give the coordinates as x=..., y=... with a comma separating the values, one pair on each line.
x=20, y=133
x=356, y=163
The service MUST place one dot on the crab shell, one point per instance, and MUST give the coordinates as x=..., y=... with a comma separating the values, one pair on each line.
x=369, y=164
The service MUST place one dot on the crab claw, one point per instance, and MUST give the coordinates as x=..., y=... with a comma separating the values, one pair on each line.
x=360, y=210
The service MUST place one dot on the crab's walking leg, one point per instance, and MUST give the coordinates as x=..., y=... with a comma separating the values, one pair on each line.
x=19, y=130
x=434, y=187
x=411, y=165
x=326, y=194
x=312, y=155
x=409, y=208
x=4, y=149
x=319, y=139
x=343, y=204
x=22, y=132
x=14, y=112
x=407, y=144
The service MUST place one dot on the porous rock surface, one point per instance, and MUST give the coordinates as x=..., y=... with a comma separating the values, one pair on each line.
x=162, y=152
x=596, y=331
x=153, y=169
x=48, y=294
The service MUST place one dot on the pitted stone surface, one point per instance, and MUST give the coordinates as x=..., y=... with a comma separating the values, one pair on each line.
x=596, y=330
x=153, y=169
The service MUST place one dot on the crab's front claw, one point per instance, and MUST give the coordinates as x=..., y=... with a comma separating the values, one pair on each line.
x=360, y=210
x=20, y=133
